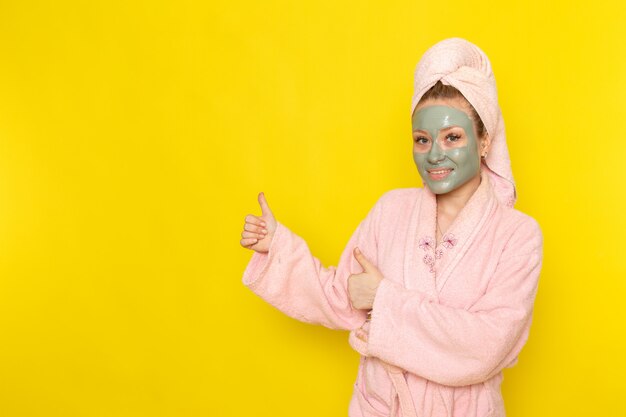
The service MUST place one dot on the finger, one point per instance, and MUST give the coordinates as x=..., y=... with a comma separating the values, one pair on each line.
x=362, y=260
x=255, y=220
x=265, y=208
x=350, y=287
x=248, y=242
x=256, y=229
x=247, y=235
x=353, y=281
x=361, y=335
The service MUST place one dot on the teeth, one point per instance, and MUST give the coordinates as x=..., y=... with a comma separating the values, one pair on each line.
x=442, y=171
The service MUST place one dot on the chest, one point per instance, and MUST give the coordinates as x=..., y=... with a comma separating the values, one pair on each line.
x=455, y=270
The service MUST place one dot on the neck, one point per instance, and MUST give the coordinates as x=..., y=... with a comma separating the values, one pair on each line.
x=450, y=204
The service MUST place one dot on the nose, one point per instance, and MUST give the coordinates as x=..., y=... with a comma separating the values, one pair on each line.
x=435, y=155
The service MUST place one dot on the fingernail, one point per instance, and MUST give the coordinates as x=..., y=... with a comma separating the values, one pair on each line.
x=264, y=231
x=263, y=224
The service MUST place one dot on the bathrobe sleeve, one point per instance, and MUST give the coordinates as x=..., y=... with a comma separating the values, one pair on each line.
x=291, y=279
x=453, y=346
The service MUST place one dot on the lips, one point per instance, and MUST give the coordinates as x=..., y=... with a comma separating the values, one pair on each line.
x=439, y=173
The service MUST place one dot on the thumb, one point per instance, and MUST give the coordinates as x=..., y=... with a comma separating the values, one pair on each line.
x=265, y=208
x=362, y=260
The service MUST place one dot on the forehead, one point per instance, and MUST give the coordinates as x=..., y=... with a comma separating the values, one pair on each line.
x=439, y=115
x=457, y=102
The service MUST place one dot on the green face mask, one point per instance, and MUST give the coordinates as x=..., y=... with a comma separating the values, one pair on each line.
x=446, y=158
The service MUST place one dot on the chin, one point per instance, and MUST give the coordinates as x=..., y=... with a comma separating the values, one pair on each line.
x=440, y=190
x=445, y=187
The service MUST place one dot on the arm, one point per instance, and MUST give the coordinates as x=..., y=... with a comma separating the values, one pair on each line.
x=453, y=346
x=291, y=279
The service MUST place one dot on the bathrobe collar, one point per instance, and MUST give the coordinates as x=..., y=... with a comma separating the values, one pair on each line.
x=431, y=268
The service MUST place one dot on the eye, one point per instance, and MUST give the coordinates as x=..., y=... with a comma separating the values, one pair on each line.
x=421, y=140
x=452, y=137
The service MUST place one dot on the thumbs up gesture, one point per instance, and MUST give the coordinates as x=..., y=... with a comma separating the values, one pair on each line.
x=258, y=231
x=362, y=287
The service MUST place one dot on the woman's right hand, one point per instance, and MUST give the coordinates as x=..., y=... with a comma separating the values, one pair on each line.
x=258, y=231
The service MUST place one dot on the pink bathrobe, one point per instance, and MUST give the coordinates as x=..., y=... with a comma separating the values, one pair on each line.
x=448, y=316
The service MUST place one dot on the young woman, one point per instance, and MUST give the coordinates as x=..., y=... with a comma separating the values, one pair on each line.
x=437, y=284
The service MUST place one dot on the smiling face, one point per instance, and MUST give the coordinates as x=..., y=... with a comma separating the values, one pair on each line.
x=446, y=149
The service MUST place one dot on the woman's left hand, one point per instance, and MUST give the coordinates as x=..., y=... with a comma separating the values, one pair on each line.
x=362, y=287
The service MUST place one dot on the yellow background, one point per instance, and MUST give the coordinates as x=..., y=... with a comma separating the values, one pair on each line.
x=135, y=136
